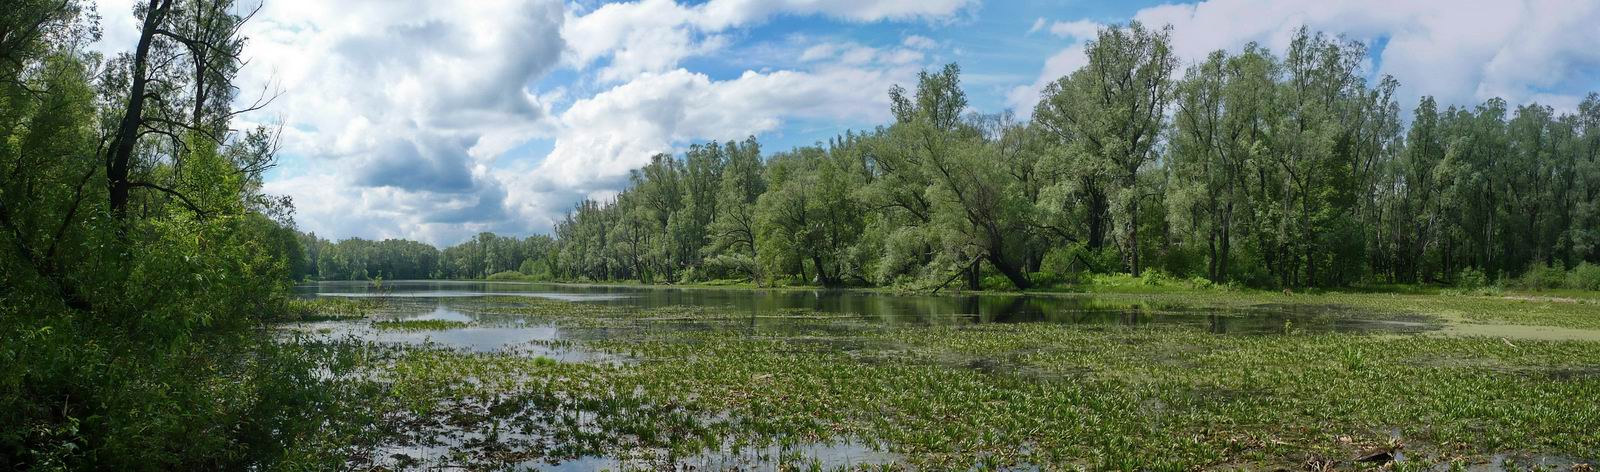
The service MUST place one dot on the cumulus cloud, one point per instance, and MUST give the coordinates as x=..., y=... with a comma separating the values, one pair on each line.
x=397, y=110
x=1462, y=52
x=606, y=135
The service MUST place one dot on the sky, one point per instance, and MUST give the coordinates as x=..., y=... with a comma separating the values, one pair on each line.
x=435, y=121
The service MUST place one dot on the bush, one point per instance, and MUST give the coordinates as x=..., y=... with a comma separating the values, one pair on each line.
x=1052, y=279
x=1542, y=277
x=1585, y=276
x=507, y=275
x=732, y=266
x=1182, y=261
x=1154, y=278
x=1078, y=258
x=1471, y=279
x=691, y=275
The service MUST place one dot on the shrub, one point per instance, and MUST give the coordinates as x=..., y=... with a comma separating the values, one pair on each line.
x=507, y=275
x=1471, y=279
x=1585, y=276
x=1154, y=278
x=1181, y=261
x=731, y=266
x=1078, y=258
x=1052, y=279
x=1542, y=277
x=691, y=275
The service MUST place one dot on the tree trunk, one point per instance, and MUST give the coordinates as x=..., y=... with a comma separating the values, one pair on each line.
x=1017, y=277
x=1227, y=232
x=1132, y=258
x=1211, y=252
x=973, y=281
x=117, y=164
x=1098, y=207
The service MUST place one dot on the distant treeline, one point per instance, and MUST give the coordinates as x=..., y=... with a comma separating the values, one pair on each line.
x=1253, y=169
x=480, y=257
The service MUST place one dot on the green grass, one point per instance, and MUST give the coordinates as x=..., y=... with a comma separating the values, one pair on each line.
x=1006, y=395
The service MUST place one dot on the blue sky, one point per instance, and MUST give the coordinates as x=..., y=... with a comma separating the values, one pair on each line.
x=437, y=120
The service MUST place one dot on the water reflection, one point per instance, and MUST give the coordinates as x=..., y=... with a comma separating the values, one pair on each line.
x=486, y=332
x=909, y=309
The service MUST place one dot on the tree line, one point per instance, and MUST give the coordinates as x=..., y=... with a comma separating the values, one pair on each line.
x=482, y=256
x=1246, y=168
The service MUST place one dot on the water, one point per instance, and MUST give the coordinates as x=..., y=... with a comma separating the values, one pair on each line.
x=901, y=309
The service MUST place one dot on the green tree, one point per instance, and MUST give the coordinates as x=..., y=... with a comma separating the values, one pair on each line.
x=1108, y=116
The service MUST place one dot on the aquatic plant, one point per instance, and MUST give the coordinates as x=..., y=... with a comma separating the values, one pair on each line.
x=992, y=396
x=419, y=325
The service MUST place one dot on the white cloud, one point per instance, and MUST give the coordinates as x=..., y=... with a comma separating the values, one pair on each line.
x=405, y=65
x=1079, y=30
x=919, y=42
x=1462, y=52
x=1022, y=98
x=653, y=36
x=395, y=112
x=409, y=120
x=613, y=132
x=857, y=54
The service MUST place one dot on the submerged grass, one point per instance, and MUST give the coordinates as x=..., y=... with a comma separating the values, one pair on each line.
x=1056, y=396
x=418, y=325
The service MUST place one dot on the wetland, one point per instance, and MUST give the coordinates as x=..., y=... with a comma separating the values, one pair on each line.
x=523, y=376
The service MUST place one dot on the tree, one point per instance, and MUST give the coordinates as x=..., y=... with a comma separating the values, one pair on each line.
x=733, y=230
x=966, y=193
x=1108, y=116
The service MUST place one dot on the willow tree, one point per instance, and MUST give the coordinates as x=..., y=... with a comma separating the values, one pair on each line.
x=1108, y=116
x=966, y=195
x=733, y=230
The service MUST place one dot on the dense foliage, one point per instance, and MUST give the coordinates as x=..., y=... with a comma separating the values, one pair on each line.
x=137, y=253
x=1251, y=168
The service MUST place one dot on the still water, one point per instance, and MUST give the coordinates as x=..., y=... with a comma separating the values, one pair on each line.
x=452, y=300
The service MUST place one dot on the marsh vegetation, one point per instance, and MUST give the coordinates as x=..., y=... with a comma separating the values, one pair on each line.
x=649, y=379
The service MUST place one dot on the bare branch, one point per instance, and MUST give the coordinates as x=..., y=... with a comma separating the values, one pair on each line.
x=184, y=198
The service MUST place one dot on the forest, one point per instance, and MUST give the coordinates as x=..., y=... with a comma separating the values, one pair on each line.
x=1245, y=168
